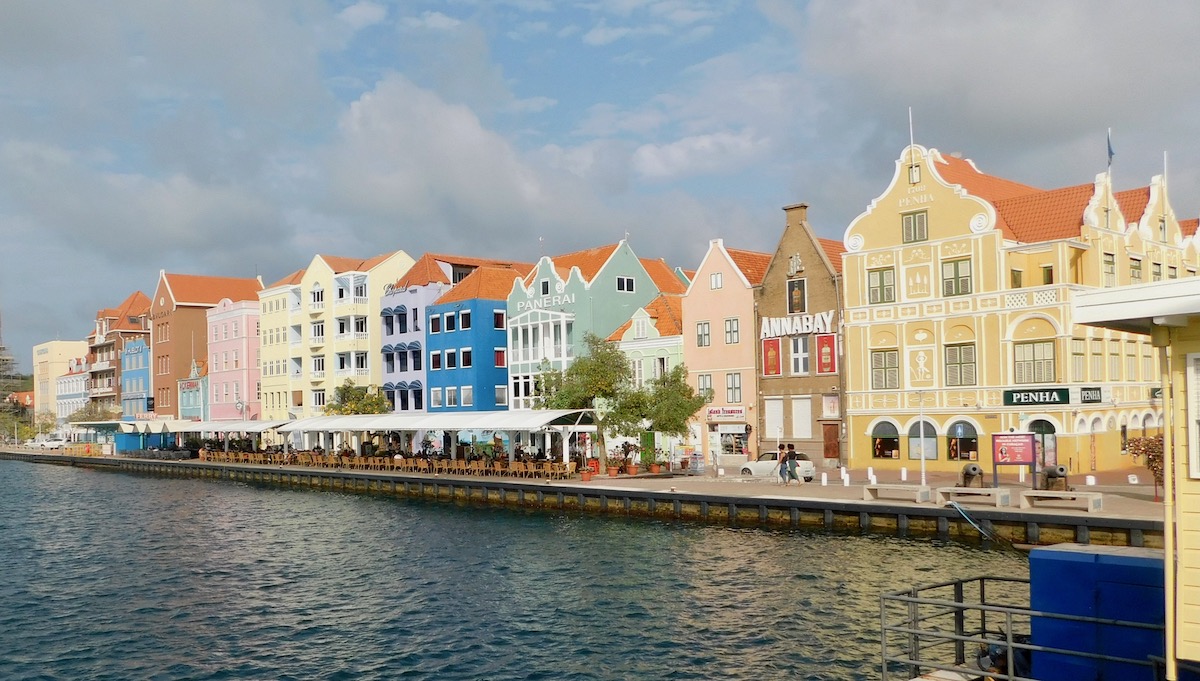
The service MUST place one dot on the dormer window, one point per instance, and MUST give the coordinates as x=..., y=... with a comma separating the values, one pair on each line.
x=914, y=174
x=625, y=284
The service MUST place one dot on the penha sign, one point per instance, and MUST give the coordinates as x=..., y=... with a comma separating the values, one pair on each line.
x=1042, y=396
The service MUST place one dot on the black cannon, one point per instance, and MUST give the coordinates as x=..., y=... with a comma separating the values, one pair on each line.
x=971, y=473
x=1055, y=478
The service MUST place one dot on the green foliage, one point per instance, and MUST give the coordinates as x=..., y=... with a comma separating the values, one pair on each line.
x=1152, y=449
x=673, y=402
x=94, y=412
x=354, y=399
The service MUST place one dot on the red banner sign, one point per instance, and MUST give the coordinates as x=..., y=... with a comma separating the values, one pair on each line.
x=1012, y=448
x=827, y=353
x=772, y=359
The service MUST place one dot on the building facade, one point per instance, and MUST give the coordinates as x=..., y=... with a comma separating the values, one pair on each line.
x=50, y=361
x=135, y=379
x=192, y=393
x=719, y=348
x=958, y=289
x=281, y=332
x=72, y=390
x=179, y=328
x=233, y=372
x=127, y=322
x=799, y=306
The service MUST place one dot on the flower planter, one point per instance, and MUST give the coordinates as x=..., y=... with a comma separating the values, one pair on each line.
x=614, y=471
x=631, y=468
x=655, y=468
x=586, y=474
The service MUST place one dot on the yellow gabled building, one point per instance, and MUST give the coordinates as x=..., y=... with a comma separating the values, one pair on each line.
x=958, y=289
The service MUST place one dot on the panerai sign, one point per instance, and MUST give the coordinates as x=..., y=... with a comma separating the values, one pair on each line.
x=774, y=327
x=546, y=301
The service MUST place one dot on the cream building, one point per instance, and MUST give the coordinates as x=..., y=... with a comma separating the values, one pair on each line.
x=50, y=361
x=320, y=327
x=958, y=289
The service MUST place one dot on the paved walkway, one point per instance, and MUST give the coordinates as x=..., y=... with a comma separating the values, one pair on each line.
x=1121, y=497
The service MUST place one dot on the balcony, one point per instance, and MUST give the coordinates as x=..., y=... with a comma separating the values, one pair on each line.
x=102, y=390
x=316, y=340
x=362, y=371
x=101, y=366
x=315, y=306
x=318, y=375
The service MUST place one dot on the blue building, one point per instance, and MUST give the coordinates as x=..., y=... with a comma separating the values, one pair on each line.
x=135, y=379
x=466, y=336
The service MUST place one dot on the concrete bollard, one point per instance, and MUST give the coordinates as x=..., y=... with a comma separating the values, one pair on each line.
x=1133, y=479
x=1090, y=480
x=1020, y=474
x=873, y=480
x=846, y=482
x=824, y=479
x=904, y=474
x=871, y=472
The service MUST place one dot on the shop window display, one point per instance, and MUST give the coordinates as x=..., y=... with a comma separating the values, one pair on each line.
x=885, y=440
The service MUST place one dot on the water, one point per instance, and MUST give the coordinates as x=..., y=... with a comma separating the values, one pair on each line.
x=112, y=576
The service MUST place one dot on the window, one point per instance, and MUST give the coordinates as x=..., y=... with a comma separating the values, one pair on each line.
x=1135, y=271
x=451, y=322
x=1108, y=269
x=435, y=398
x=704, y=386
x=418, y=399
x=635, y=372
x=732, y=333
x=1131, y=358
x=1114, y=360
x=464, y=320
x=416, y=360
x=435, y=324
x=1156, y=271
x=800, y=365
x=956, y=278
x=389, y=363
x=625, y=284
x=703, y=338
x=464, y=357
x=1078, y=360
x=545, y=287
x=733, y=388
x=960, y=364
x=452, y=396
x=435, y=361
x=401, y=322
x=1097, y=359
x=797, y=296
x=715, y=280
x=497, y=319
x=499, y=358
x=318, y=398
x=962, y=442
x=881, y=286
x=389, y=325
x=1047, y=274
x=885, y=369
x=416, y=315
x=1014, y=279
x=1172, y=272
x=468, y=396
x=451, y=359
x=402, y=361
x=915, y=228
x=1162, y=229
x=501, y=395
x=1033, y=362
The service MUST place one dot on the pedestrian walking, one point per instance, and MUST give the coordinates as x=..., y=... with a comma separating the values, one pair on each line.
x=781, y=457
x=792, y=466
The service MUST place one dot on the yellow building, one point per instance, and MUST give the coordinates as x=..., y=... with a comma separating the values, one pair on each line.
x=1169, y=314
x=319, y=327
x=958, y=289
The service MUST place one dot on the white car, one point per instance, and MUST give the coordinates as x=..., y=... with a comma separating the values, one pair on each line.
x=768, y=464
x=53, y=443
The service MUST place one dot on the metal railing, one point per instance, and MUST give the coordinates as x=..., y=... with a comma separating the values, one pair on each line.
x=976, y=627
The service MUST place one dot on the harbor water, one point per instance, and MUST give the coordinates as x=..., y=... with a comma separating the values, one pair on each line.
x=120, y=577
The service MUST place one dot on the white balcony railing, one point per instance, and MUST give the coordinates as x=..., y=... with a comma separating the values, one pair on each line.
x=318, y=375
x=316, y=340
x=316, y=305
x=362, y=371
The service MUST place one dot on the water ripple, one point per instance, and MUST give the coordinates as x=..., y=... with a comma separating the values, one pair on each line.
x=115, y=577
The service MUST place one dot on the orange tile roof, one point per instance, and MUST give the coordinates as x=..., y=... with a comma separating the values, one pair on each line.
x=589, y=261
x=1132, y=203
x=427, y=269
x=833, y=250
x=340, y=264
x=752, y=264
x=665, y=311
x=1188, y=227
x=1044, y=216
x=663, y=276
x=486, y=282
x=290, y=280
x=194, y=289
x=988, y=187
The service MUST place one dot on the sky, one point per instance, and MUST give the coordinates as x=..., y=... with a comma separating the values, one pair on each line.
x=242, y=137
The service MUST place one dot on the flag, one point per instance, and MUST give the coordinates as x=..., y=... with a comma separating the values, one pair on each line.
x=1110, y=151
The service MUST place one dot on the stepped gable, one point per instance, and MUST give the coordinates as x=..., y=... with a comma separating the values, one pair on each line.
x=833, y=250
x=194, y=289
x=1188, y=227
x=292, y=279
x=663, y=276
x=1046, y=216
x=964, y=173
x=486, y=282
x=588, y=261
x=752, y=264
x=666, y=310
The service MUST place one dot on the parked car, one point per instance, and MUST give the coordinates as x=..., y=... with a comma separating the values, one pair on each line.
x=768, y=464
x=53, y=443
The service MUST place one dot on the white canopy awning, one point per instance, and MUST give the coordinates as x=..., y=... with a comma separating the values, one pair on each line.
x=514, y=420
x=234, y=426
x=1139, y=308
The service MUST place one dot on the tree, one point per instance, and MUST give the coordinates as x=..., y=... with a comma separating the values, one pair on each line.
x=355, y=399
x=94, y=411
x=673, y=402
x=598, y=379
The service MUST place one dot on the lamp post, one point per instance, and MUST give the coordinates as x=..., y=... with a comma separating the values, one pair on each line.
x=921, y=426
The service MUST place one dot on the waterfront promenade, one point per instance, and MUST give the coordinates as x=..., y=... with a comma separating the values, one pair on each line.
x=1129, y=514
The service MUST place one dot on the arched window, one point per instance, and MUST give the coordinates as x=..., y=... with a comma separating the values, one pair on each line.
x=1045, y=443
x=922, y=440
x=885, y=441
x=962, y=442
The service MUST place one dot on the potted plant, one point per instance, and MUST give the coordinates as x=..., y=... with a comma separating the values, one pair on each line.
x=586, y=474
x=650, y=460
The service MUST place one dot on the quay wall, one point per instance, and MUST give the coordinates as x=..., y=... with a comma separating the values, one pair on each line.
x=877, y=517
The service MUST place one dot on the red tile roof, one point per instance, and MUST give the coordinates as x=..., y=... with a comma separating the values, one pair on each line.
x=486, y=282
x=988, y=187
x=1132, y=203
x=428, y=268
x=833, y=250
x=1188, y=227
x=752, y=264
x=589, y=261
x=290, y=280
x=666, y=313
x=663, y=276
x=1044, y=216
x=134, y=307
x=194, y=289
x=339, y=264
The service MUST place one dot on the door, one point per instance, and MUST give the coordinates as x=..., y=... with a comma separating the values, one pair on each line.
x=829, y=434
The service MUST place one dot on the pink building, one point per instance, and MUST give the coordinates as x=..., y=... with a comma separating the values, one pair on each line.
x=233, y=372
x=719, y=348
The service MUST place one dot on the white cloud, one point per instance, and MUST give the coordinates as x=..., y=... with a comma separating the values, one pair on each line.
x=699, y=154
x=530, y=105
x=603, y=34
x=435, y=21
x=363, y=14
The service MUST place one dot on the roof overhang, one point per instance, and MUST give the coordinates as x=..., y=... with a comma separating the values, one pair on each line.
x=1138, y=309
x=514, y=420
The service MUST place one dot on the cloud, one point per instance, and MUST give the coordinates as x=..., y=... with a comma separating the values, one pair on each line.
x=435, y=21
x=530, y=105
x=363, y=14
x=721, y=152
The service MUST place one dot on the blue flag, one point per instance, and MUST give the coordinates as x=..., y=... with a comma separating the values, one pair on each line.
x=1110, y=151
